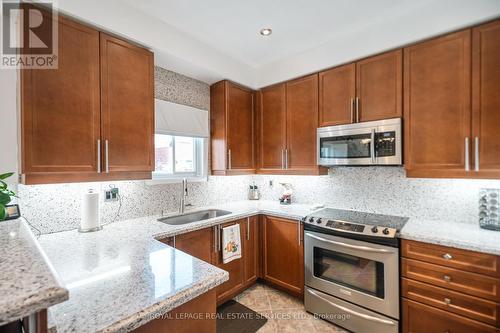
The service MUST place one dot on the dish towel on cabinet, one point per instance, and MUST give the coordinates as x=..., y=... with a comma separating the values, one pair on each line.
x=231, y=242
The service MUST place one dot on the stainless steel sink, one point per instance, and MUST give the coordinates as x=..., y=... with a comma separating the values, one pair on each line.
x=194, y=216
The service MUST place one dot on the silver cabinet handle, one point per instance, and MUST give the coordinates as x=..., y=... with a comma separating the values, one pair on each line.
x=106, y=143
x=447, y=301
x=248, y=228
x=286, y=159
x=372, y=146
x=467, y=167
x=352, y=110
x=174, y=242
x=216, y=245
x=282, y=159
x=476, y=154
x=447, y=256
x=357, y=109
x=298, y=230
x=355, y=247
x=219, y=237
x=352, y=312
x=98, y=155
x=447, y=278
x=229, y=164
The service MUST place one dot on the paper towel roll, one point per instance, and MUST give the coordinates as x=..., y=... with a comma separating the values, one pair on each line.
x=90, y=211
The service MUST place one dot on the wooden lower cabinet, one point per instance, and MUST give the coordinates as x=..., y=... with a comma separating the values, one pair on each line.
x=235, y=268
x=442, y=294
x=180, y=320
x=283, y=254
x=198, y=243
x=251, y=250
x=419, y=318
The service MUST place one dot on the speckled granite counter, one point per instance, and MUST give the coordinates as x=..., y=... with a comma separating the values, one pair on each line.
x=27, y=281
x=460, y=235
x=121, y=277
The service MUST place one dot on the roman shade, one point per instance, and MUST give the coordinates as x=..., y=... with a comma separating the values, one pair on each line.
x=176, y=119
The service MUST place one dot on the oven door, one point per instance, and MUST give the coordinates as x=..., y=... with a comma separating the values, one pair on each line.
x=345, y=145
x=362, y=273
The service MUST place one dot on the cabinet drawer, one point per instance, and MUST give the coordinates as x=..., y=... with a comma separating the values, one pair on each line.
x=470, y=261
x=450, y=278
x=419, y=318
x=461, y=304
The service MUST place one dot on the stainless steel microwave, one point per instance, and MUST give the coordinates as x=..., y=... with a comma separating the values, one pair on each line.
x=369, y=143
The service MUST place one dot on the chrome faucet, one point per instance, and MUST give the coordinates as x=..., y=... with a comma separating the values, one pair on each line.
x=184, y=194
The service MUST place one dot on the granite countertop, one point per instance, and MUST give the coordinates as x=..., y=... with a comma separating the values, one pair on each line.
x=28, y=282
x=467, y=236
x=121, y=277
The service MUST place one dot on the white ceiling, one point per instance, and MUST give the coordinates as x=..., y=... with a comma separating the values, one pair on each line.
x=232, y=27
x=219, y=39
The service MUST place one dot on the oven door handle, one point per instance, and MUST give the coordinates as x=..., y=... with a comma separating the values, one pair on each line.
x=356, y=247
x=354, y=313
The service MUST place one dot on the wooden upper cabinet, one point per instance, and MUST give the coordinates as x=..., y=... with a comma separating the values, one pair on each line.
x=302, y=123
x=60, y=110
x=232, y=129
x=92, y=118
x=127, y=97
x=337, y=91
x=272, y=127
x=486, y=100
x=437, y=110
x=379, y=86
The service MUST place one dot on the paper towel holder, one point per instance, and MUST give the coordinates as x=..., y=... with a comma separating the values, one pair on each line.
x=90, y=229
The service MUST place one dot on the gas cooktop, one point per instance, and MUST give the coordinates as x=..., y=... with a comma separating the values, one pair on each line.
x=351, y=223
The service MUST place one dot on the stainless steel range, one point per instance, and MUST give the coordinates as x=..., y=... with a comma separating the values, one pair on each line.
x=352, y=269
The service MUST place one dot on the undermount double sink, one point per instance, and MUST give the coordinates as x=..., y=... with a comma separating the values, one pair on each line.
x=194, y=216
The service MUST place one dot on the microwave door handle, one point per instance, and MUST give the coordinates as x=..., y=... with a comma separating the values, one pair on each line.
x=352, y=312
x=372, y=146
x=349, y=246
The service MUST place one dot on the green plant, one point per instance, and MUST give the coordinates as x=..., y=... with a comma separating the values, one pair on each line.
x=6, y=195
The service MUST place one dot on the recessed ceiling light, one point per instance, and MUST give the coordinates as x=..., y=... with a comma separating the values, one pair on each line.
x=266, y=32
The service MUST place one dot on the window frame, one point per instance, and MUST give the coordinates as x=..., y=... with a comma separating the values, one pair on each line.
x=200, y=162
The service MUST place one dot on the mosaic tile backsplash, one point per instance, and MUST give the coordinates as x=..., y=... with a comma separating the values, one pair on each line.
x=385, y=190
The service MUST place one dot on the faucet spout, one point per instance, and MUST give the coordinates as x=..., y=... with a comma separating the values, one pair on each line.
x=184, y=194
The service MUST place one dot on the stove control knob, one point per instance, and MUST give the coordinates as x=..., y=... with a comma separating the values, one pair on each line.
x=304, y=219
x=311, y=219
x=318, y=220
x=385, y=231
x=374, y=229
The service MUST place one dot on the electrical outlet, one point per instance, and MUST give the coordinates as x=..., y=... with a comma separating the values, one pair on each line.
x=112, y=194
x=271, y=183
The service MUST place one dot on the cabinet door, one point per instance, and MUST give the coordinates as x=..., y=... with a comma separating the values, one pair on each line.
x=486, y=99
x=197, y=243
x=437, y=107
x=302, y=122
x=337, y=90
x=240, y=127
x=61, y=112
x=235, y=268
x=251, y=249
x=272, y=127
x=127, y=107
x=283, y=254
x=379, y=86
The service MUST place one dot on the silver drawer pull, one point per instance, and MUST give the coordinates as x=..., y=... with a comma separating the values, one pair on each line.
x=447, y=278
x=352, y=312
x=447, y=301
x=356, y=247
x=447, y=256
